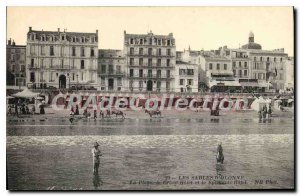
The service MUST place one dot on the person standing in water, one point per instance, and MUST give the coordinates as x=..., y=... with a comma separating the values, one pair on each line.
x=96, y=157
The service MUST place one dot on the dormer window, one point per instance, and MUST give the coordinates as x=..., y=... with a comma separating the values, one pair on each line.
x=63, y=37
x=82, y=39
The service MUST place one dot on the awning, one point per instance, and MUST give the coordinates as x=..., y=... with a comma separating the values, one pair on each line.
x=249, y=84
x=26, y=93
x=223, y=83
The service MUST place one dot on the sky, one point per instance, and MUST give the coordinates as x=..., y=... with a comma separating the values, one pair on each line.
x=198, y=27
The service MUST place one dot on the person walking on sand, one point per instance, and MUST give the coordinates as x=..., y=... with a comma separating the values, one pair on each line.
x=96, y=157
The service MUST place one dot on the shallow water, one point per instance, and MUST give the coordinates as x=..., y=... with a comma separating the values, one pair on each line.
x=143, y=153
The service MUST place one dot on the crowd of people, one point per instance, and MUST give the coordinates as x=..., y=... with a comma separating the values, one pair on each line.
x=22, y=108
x=265, y=113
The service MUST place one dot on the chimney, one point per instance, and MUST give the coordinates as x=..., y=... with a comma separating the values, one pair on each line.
x=58, y=29
x=9, y=42
x=96, y=31
x=30, y=28
x=124, y=32
x=13, y=43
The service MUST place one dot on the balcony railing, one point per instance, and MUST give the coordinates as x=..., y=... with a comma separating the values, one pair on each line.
x=112, y=73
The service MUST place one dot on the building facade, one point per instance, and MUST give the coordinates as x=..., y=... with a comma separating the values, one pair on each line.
x=15, y=64
x=289, y=79
x=150, y=61
x=111, y=70
x=186, y=77
x=61, y=59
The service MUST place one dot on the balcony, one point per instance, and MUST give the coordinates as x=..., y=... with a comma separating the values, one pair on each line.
x=112, y=73
x=151, y=55
x=153, y=76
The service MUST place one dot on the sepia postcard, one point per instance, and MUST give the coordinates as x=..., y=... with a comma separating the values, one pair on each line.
x=150, y=98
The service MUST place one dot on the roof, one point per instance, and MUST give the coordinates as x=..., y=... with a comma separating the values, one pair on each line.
x=251, y=45
x=110, y=53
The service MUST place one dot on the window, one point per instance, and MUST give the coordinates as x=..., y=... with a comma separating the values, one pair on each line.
x=103, y=68
x=245, y=72
x=118, y=69
x=150, y=51
x=159, y=62
x=181, y=82
x=159, y=52
x=92, y=52
x=82, y=64
x=62, y=51
x=167, y=85
x=149, y=73
x=32, y=77
x=141, y=62
x=169, y=52
x=51, y=62
x=181, y=72
x=280, y=59
x=42, y=63
x=234, y=72
x=51, y=51
x=141, y=41
x=274, y=59
x=240, y=64
x=141, y=84
x=225, y=66
x=73, y=51
x=261, y=59
x=218, y=66
x=168, y=42
x=82, y=39
x=168, y=74
x=190, y=81
x=210, y=66
x=255, y=58
x=42, y=50
x=131, y=41
x=131, y=61
x=280, y=76
x=141, y=73
x=158, y=84
x=159, y=42
x=190, y=72
x=245, y=64
x=149, y=62
x=32, y=63
x=240, y=73
x=158, y=74
x=150, y=41
x=131, y=52
x=268, y=59
x=110, y=69
x=168, y=62
x=131, y=73
x=82, y=74
x=82, y=51
x=141, y=51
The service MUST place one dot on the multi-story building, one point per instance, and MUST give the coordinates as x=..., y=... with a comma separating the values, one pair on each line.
x=150, y=61
x=186, y=77
x=289, y=79
x=216, y=72
x=251, y=62
x=111, y=70
x=61, y=59
x=15, y=64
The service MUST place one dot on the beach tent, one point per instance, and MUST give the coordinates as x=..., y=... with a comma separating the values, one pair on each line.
x=258, y=103
x=26, y=93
